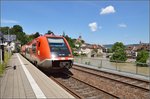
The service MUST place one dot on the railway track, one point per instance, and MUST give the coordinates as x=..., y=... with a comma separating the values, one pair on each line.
x=122, y=86
x=90, y=83
x=145, y=85
x=81, y=89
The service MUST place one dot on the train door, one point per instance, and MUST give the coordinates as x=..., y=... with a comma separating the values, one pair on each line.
x=34, y=51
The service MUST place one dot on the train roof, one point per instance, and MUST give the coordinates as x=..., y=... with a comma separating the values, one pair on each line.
x=47, y=35
x=53, y=36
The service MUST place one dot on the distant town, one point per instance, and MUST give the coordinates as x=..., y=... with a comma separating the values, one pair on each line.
x=85, y=49
x=95, y=50
x=78, y=45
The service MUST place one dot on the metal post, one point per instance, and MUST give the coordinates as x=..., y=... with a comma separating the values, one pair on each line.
x=2, y=47
x=136, y=69
x=101, y=63
x=1, y=56
x=8, y=36
x=116, y=65
x=2, y=53
x=149, y=64
x=8, y=42
x=81, y=59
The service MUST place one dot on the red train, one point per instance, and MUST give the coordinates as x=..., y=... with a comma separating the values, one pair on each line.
x=49, y=52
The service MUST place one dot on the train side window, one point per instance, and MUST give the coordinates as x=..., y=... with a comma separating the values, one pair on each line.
x=34, y=48
x=39, y=44
x=28, y=50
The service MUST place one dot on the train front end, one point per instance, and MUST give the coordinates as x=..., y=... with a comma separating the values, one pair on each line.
x=60, y=54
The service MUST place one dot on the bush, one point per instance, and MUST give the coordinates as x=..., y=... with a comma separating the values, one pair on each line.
x=142, y=58
x=119, y=55
x=75, y=54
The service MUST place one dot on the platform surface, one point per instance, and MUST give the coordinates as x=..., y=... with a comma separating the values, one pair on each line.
x=26, y=81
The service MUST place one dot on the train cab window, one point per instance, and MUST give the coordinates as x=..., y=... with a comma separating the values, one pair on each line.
x=58, y=47
x=34, y=48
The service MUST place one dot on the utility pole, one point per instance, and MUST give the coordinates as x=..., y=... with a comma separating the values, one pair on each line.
x=8, y=43
x=2, y=47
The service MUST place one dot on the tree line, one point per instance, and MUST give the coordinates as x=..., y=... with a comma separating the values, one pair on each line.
x=21, y=36
x=24, y=38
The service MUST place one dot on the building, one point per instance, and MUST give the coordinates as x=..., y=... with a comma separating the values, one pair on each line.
x=132, y=51
x=91, y=50
x=78, y=41
x=9, y=42
x=1, y=38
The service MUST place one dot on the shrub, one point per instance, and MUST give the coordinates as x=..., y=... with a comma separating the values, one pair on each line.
x=142, y=58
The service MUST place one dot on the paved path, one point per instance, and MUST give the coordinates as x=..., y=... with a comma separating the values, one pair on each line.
x=26, y=81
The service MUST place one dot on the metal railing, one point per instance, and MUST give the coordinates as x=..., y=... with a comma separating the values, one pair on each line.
x=128, y=67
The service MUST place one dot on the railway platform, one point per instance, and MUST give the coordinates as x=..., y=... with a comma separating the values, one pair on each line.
x=26, y=81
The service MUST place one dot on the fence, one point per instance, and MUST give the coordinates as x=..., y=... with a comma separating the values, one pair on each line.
x=129, y=67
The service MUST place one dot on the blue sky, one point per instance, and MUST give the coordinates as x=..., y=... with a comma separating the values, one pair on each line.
x=100, y=22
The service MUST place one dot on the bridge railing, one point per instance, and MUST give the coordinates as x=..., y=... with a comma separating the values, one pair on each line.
x=128, y=67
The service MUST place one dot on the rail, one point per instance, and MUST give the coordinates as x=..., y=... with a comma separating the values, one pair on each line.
x=115, y=77
x=118, y=85
x=81, y=89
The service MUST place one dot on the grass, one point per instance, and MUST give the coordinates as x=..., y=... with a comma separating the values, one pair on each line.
x=1, y=69
x=2, y=66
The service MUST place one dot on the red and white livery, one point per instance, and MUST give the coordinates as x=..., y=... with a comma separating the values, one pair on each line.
x=49, y=52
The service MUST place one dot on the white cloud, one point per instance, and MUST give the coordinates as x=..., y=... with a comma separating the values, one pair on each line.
x=93, y=26
x=107, y=10
x=9, y=21
x=122, y=25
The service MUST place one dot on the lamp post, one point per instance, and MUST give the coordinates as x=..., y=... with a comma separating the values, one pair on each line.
x=2, y=49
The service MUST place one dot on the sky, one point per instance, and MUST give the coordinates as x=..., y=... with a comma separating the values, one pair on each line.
x=98, y=22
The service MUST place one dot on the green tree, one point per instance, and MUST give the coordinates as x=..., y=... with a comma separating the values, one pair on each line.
x=50, y=32
x=109, y=50
x=70, y=41
x=82, y=41
x=118, y=52
x=37, y=34
x=17, y=28
x=4, y=30
x=20, y=35
x=142, y=56
x=116, y=45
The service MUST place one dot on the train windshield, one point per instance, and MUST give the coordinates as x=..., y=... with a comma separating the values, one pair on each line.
x=58, y=47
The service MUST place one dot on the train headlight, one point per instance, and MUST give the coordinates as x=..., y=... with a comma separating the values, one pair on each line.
x=53, y=55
